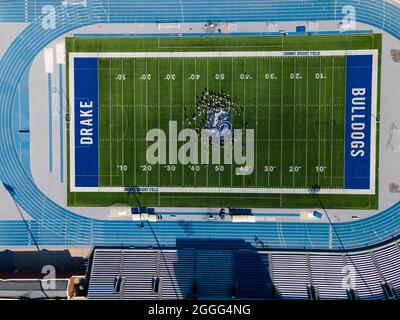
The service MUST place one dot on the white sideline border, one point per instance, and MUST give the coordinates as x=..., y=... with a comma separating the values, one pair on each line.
x=222, y=54
x=315, y=53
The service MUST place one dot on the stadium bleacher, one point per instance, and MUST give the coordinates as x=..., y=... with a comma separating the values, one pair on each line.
x=245, y=274
x=290, y=275
x=388, y=261
x=327, y=277
x=368, y=281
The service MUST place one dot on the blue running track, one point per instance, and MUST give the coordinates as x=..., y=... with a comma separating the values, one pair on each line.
x=54, y=225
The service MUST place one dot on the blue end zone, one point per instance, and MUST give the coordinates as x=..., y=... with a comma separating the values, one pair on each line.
x=86, y=126
x=358, y=122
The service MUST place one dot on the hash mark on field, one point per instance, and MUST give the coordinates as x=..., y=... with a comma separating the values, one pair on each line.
x=258, y=140
x=207, y=47
x=248, y=105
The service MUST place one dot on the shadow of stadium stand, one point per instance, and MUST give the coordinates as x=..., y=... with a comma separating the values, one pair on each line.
x=17, y=264
x=222, y=269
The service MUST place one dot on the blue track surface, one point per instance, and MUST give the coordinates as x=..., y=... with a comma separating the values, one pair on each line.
x=53, y=225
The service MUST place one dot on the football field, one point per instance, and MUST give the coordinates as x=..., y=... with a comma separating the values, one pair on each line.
x=289, y=105
x=294, y=104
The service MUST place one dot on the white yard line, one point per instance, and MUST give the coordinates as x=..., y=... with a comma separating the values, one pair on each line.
x=134, y=118
x=245, y=74
x=118, y=132
x=219, y=89
x=306, y=175
x=294, y=121
x=183, y=102
x=122, y=125
x=147, y=122
x=207, y=89
x=170, y=108
x=282, y=70
x=232, y=90
x=158, y=113
x=269, y=119
x=111, y=109
x=325, y=114
x=195, y=95
x=256, y=144
x=158, y=108
x=332, y=102
x=319, y=121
